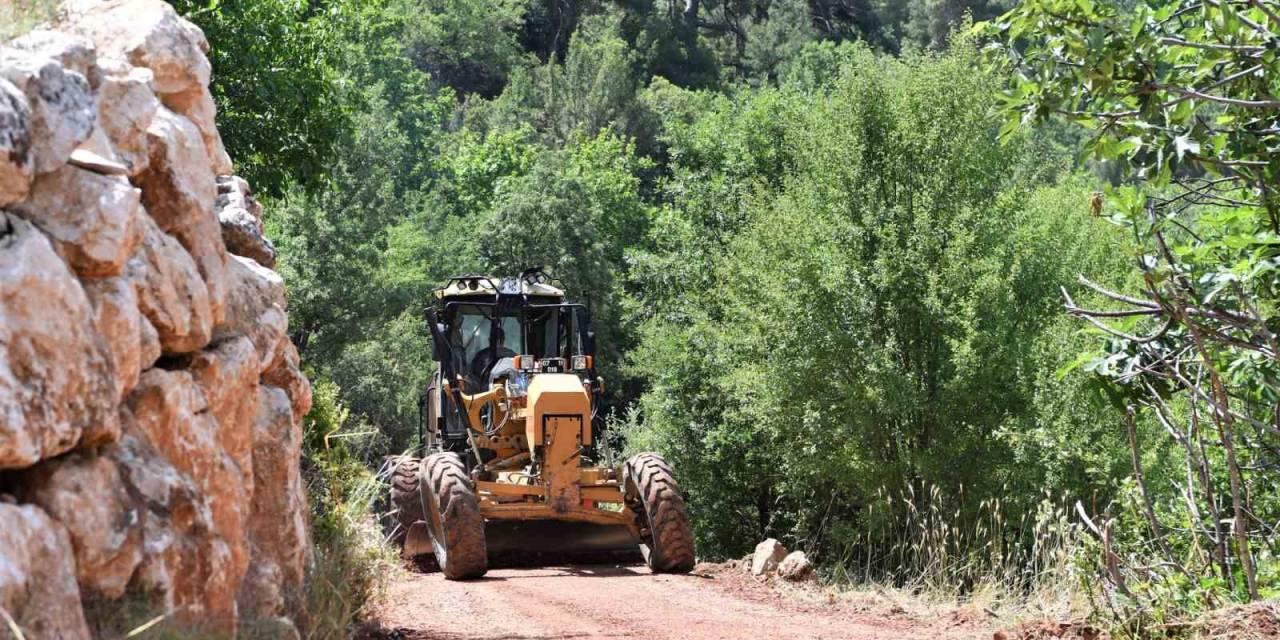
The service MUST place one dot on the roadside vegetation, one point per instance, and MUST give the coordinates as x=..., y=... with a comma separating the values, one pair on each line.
x=18, y=17
x=973, y=299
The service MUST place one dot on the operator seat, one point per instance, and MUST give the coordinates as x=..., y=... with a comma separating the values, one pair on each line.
x=484, y=369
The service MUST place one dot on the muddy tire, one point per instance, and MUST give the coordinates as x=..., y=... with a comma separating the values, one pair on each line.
x=453, y=517
x=404, y=495
x=666, y=538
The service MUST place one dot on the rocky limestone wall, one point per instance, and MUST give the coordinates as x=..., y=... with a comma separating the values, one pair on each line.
x=150, y=401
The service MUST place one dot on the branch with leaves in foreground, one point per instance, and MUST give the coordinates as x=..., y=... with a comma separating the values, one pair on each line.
x=1183, y=97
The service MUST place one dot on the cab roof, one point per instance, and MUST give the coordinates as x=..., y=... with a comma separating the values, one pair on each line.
x=484, y=286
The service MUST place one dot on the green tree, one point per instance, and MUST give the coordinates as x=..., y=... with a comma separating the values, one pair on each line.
x=593, y=89
x=866, y=321
x=576, y=212
x=1181, y=96
x=281, y=105
x=468, y=45
x=772, y=42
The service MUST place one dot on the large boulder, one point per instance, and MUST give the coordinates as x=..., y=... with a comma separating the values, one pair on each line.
x=126, y=106
x=278, y=528
x=56, y=380
x=86, y=494
x=157, y=38
x=171, y=413
x=795, y=567
x=227, y=374
x=171, y=293
x=179, y=190
x=255, y=308
x=121, y=325
x=241, y=218
x=37, y=575
x=767, y=556
x=197, y=105
x=90, y=218
x=177, y=525
x=61, y=102
x=147, y=33
x=72, y=52
x=16, y=160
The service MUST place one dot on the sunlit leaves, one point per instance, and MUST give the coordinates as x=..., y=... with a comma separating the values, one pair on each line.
x=1182, y=97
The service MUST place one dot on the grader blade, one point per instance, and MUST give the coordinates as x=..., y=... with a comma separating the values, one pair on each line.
x=544, y=542
x=417, y=541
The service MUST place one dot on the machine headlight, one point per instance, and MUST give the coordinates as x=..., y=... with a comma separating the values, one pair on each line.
x=525, y=362
x=581, y=363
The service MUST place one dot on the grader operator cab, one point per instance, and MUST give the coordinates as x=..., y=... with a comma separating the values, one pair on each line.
x=507, y=425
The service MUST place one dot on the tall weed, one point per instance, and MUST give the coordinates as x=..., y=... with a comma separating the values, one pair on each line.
x=918, y=541
x=351, y=559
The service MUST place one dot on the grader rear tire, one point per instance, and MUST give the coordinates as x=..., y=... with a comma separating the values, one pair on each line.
x=453, y=517
x=651, y=491
x=404, y=495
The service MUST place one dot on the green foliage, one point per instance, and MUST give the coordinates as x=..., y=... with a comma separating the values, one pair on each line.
x=930, y=22
x=1202, y=104
x=280, y=97
x=670, y=49
x=866, y=320
x=576, y=212
x=822, y=284
x=589, y=91
x=470, y=46
x=350, y=557
x=771, y=43
x=1179, y=96
x=816, y=66
x=476, y=165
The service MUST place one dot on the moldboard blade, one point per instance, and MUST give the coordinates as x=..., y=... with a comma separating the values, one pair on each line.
x=548, y=542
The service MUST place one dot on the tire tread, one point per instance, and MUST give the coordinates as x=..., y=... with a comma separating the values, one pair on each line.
x=653, y=485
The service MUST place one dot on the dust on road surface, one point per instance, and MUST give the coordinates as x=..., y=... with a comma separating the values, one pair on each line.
x=620, y=602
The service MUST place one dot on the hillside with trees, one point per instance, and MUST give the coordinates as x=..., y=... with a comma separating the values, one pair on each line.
x=955, y=295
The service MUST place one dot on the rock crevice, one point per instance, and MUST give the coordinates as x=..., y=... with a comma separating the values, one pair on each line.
x=150, y=400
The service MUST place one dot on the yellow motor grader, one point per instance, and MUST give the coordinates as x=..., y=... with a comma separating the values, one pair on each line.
x=507, y=428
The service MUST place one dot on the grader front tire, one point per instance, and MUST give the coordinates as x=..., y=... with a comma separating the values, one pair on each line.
x=453, y=516
x=651, y=490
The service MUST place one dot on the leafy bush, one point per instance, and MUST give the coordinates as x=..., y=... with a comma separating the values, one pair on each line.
x=1187, y=342
x=870, y=323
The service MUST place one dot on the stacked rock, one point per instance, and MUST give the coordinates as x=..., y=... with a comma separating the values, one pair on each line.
x=150, y=399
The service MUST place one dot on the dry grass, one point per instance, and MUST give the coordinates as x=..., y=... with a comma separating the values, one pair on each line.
x=352, y=559
x=926, y=557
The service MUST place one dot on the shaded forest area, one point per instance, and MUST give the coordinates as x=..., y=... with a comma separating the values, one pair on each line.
x=828, y=246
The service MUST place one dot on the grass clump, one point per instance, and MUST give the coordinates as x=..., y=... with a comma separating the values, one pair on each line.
x=351, y=559
x=1034, y=566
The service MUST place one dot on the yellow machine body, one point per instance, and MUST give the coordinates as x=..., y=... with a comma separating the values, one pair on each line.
x=535, y=495
x=506, y=435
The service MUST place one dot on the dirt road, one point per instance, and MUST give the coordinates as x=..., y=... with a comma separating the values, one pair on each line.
x=626, y=602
